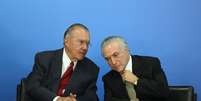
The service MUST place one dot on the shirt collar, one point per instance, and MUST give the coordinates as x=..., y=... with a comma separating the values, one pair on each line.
x=129, y=65
x=66, y=60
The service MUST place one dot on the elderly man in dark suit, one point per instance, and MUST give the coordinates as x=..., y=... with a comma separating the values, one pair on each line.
x=133, y=77
x=65, y=74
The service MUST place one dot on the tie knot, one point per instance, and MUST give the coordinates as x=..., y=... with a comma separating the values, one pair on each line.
x=71, y=64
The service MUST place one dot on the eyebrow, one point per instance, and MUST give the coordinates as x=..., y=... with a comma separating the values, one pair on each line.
x=107, y=57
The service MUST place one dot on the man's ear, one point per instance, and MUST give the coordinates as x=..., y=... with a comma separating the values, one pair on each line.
x=66, y=41
x=126, y=49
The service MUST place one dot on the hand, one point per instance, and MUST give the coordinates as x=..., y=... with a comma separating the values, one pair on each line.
x=129, y=76
x=72, y=97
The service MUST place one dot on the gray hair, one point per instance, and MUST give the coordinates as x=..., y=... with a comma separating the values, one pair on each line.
x=110, y=39
x=71, y=27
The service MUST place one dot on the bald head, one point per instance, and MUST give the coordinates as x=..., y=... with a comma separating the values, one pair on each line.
x=73, y=27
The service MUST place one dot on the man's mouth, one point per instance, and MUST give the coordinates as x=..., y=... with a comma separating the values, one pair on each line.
x=83, y=53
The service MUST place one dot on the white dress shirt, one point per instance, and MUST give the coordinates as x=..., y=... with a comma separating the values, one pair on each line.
x=65, y=64
x=129, y=65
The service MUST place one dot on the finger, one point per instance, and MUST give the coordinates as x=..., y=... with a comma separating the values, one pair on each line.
x=60, y=99
x=126, y=71
x=123, y=76
x=73, y=95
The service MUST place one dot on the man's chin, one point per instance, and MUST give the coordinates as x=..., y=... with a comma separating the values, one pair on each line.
x=120, y=70
x=117, y=70
x=80, y=58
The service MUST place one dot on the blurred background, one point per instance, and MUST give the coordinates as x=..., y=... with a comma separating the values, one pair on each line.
x=168, y=29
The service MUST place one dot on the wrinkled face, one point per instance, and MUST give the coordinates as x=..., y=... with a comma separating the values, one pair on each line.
x=117, y=56
x=76, y=43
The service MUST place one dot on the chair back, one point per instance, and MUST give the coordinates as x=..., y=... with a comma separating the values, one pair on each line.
x=182, y=93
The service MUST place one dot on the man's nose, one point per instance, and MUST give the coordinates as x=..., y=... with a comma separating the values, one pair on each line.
x=113, y=61
x=85, y=46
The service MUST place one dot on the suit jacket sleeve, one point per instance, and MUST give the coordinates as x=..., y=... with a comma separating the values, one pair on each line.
x=154, y=86
x=90, y=92
x=34, y=82
x=108, y=93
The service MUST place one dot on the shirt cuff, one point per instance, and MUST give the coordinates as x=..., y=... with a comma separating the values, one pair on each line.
x=135, y=83
x=55, y=99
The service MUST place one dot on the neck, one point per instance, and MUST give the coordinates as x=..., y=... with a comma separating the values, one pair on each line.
x=69, y=55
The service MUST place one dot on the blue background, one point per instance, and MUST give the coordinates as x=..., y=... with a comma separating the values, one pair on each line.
x=168, y=29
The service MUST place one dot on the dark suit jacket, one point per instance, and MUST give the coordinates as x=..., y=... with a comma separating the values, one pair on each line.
x=42, y=83
x=152, y=84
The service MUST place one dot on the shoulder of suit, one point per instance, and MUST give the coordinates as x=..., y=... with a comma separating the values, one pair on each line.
x=146, y=58
x=48, y=52
x=109, y=74
x=90, y=64
x=87, y=60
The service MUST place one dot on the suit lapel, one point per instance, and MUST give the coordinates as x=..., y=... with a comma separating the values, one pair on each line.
x=135, y=65
x=74, y=80
x=121, y=88
x=57, y=68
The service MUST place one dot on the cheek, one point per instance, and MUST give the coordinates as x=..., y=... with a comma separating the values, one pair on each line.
x=118, y=62
x=125, y=63
x=75, y=48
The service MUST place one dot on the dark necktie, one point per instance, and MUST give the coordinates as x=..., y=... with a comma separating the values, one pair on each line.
x=64, y=80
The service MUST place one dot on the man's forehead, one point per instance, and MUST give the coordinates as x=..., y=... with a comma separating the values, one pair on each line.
x=112, y=46
x=86, y=39
x=82, y=34
x=109, y=51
